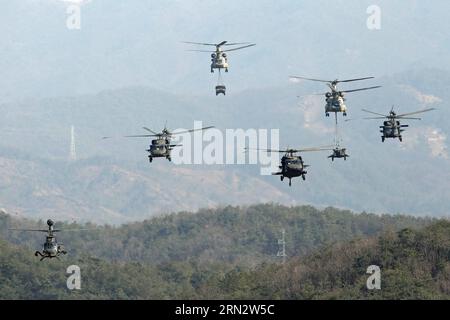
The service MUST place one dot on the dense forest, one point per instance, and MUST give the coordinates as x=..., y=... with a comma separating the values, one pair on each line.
x=241, y=235
x=231, y=253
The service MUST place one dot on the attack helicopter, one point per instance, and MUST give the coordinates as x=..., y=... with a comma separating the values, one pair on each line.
x=335, y=101
x=161, y=146
x=292, y=165
x=219, y=58
x=51, y=248
x=392, y=128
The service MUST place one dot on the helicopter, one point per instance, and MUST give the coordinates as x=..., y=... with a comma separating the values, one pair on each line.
x=339, y=153
x=392, y=128
x=219, y=58
x=160, y=146
x=335, y=101
x=51, y=249
x=292, y=165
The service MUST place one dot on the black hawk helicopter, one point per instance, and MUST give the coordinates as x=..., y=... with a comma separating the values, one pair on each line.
x=219, y=59
x=335, y=101
x=161, y=146
x=338, y=153
x=292, y=165
x=51, y=248
x=392, y=128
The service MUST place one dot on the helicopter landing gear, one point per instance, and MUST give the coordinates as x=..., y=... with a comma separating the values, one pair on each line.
x=281, y=178
x=150, y=159
x=37, y=253
x=169, y=158
x=332, y=158
x=290, y=182
x=327, y=114
x=345, y=158
x=226, y=69
x=382, y=139
x=400, y=138
x=212, y=70
x=344, y=114
x=303, y=177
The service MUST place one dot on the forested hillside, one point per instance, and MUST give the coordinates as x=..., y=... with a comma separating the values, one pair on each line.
x=239, y=235
x=415, y=264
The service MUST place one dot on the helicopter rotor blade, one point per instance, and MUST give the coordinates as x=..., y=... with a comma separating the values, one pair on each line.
x=239, y=48
x=374, y=118
x=415, y=112
x=142, y=136
x=192, y=130
x=31, y=230
x=312, y=94
x=149, y=130
x=310, y=79
x=324, y=148
x=236, y=43
x=201, y=43
x=407, y=118
x=208, y=51
x=265, y=150
x=331, y=81
x=357, y=79
x=362, y=89
x=378, y=114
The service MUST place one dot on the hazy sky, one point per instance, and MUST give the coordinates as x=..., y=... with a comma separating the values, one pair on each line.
x=138, y=42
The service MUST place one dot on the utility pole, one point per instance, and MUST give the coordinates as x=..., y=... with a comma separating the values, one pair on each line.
x=282, y=246
x=73, y=151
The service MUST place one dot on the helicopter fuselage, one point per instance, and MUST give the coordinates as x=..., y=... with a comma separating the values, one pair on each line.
x=160, y=148
x=219, y=60
x=51, y=249
x=335, y=102
x=291, y=167
x=392, y=129
x=339, y=153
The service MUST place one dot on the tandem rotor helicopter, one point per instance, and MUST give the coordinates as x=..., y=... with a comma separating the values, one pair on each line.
x=219, y=58
x=161, y=147
x=292, y=165
x=51, y=248
x=392, y=128
x=335, y=101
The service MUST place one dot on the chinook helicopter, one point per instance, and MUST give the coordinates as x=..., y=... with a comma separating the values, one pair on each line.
x=392, y=128
x=335, y=101
x=292, y=165
x=51, y=249
x=161, y=146
x=219, y=58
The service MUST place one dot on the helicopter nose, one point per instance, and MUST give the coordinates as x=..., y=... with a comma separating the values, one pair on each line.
x=50, y=222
